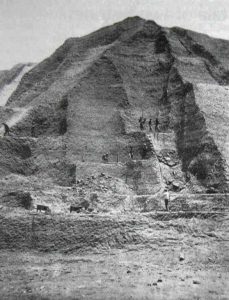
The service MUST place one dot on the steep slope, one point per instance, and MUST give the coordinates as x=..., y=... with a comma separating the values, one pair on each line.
x=205, y=111
x=87, y=97
x=9, y=80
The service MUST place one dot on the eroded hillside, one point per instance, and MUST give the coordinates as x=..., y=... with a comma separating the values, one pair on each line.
x=9, y=80
x=87, y=97
x=84, y=227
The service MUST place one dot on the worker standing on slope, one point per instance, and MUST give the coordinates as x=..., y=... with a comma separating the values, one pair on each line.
x=166, y=198
x=150, y=124
x=144, y=151
x=141, y=123
x=7, y=129
x=105, y=158
x=156, y=128
x=131, y=152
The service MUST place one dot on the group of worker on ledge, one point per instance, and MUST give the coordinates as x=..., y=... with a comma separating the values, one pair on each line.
x=142, y=123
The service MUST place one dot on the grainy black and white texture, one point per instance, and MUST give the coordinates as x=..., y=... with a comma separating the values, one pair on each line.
x=76, y=226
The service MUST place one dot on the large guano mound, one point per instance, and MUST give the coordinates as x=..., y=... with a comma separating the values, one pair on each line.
x=85, y=100
x=97, y=131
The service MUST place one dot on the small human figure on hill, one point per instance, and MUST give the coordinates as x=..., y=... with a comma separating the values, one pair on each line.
x=166, y=198
x=150, y=124
x=6, y=128
x=144, y=151
x=105, y=157
x=142, y=122
x=131, y=152
x=156, y=128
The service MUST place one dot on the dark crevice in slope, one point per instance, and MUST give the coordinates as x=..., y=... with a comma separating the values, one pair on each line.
x=213, y=66
x=185, y=46
x=200, y=51
x=162, y=43
x=192, y=46
x=164, y=63
x=164, y=104
x=220, y=75
x=196, y=148
x=199, y=154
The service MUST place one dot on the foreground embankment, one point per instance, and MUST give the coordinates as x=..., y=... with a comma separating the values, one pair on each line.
x=80, y=233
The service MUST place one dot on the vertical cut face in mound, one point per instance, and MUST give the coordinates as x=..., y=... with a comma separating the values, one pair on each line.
x=16, y=154
x=18, y=199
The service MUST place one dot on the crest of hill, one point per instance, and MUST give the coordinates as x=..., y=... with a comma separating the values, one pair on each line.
x=73, y=49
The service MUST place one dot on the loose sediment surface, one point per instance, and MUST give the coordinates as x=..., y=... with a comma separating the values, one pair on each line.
x=104, y=256
x=153, y=273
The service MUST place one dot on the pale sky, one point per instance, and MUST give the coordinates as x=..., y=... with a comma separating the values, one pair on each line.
x=30, y=30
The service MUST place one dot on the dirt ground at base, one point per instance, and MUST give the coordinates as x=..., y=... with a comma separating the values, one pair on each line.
x=135, y=273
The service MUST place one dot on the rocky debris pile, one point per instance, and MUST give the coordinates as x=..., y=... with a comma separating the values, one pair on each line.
x=100, y=184
x=103, y=192
x=168, y=157
x=175, y=185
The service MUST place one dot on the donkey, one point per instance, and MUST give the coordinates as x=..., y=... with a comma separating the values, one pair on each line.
x=75, y=208
x=43, y=208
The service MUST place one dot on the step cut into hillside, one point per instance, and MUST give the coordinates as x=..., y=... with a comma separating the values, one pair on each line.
x=86, y=98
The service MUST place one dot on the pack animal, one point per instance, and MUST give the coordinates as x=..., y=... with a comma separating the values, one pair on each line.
x=43, y=208
x=75, y=208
